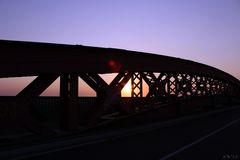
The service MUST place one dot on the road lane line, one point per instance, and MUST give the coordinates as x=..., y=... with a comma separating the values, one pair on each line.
x=199, y=140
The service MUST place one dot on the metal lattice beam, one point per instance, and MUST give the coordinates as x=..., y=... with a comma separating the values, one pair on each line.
x=137, y=86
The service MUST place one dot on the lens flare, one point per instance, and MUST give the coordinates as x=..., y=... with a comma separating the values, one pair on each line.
x=114, y=65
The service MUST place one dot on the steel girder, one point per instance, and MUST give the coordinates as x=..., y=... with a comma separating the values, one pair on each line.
x=46, y=58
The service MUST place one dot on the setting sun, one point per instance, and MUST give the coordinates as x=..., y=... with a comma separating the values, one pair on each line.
x=126, y=91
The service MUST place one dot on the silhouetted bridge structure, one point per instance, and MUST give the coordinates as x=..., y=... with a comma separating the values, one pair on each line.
x=179, y=87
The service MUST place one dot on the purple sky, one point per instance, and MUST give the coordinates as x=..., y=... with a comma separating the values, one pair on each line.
x=205, y=31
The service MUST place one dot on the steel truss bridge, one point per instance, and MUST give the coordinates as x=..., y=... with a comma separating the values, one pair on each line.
x=181, y=86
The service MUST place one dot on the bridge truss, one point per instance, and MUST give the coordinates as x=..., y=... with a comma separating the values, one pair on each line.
x=170, y=81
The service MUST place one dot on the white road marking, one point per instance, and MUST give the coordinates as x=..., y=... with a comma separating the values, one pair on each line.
x=199, y=140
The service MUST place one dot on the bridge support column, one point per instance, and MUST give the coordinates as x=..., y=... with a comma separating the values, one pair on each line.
x=69, y=101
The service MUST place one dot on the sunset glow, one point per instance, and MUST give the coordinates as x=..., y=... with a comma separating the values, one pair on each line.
x=126, y=91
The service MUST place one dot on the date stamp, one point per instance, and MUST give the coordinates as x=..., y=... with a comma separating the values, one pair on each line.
x=231, y=156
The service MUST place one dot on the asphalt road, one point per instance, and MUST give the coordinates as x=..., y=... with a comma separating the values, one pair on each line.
x=210, y=136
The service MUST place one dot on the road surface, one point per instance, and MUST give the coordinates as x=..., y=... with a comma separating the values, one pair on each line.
x=208, y=136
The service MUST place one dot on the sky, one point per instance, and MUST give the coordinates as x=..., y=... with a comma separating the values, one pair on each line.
x=206, y=31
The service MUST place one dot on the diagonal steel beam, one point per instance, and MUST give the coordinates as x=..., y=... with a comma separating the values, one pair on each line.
x=90, y=81
x=116, y=80
x=37, y=86
x=99, y=80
